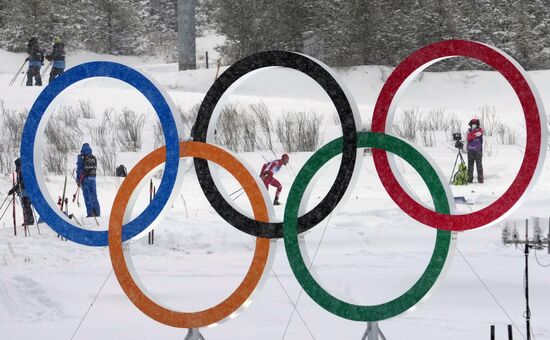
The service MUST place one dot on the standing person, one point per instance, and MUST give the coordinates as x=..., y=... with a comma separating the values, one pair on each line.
x=19, y=189
x=475, y=150
x=36, y=59
x=57, y=57
x=86, y=166
x=267, y=172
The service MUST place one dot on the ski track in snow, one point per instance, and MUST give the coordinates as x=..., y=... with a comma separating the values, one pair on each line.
x=26, y=300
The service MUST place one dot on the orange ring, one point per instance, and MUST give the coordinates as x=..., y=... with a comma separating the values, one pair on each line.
x=253, y=276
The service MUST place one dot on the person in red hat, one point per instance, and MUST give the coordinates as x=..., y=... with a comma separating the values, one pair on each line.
x=475, y=150
x=267, y=172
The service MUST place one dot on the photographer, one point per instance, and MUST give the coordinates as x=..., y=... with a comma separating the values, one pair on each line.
x=475, y=150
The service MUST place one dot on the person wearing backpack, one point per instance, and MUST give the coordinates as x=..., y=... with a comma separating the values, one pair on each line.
x=120, y=171
x=86, y=167
x=36, y=60
x=57, y=57
x=19, y=189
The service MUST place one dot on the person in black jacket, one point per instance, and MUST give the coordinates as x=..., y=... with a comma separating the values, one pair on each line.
x=36, y=59
x=86, y=168
x=57, y=57
x=19, y=189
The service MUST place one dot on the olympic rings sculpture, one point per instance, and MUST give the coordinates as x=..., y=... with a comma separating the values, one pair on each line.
x=263, y=225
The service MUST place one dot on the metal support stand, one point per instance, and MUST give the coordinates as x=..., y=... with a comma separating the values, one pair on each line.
x=194, y=334
x=537, y=242
x=373, y=332
x=458, y=157
x=527, y=309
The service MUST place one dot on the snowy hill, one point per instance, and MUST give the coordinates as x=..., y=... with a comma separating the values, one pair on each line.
x=370, y=251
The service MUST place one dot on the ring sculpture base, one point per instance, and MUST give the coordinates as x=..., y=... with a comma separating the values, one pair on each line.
x=194, y=334
x=373, y=332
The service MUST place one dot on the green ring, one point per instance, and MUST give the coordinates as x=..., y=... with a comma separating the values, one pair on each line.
x=292, y=245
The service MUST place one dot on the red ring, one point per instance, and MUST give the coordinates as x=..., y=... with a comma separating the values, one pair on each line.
x=514, y=74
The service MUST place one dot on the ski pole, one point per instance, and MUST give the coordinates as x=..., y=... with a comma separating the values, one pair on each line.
x=150, y=234
x=23, y=78
x=46, y=70
x=234, y=192
x=25, y=226
x=1, y=206
x=37, y=224
x=76, y=196
x=239, y=195
x=17, y=74
x=13, y=206
x=5, y=210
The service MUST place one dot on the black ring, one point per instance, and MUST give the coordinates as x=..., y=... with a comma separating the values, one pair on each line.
x=318, y=73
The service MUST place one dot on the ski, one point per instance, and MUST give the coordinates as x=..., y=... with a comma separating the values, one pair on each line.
x=61, y=200
x=462, y=200
x=13, y=206
x=64, y=192
x=151, y=235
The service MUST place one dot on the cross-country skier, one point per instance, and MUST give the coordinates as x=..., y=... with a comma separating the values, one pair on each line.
x=267, y=172
x=475, y=150
x=36, y=59
x=19, y=189
x=86, y=166
x=57, y=57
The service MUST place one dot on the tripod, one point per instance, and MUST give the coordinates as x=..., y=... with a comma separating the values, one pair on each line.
x=458, y=156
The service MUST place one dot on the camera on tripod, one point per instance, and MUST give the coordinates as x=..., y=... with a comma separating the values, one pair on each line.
x=457, y=137
x=460, y=176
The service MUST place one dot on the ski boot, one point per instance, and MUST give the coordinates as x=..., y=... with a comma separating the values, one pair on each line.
x=276, y=201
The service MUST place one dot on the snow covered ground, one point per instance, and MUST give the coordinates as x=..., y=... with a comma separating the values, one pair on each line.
x=369, y=251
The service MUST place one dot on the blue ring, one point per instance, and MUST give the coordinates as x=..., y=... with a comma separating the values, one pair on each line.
x=159, y=103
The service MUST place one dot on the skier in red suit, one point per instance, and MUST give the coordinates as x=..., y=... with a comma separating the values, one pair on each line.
x=267, y=172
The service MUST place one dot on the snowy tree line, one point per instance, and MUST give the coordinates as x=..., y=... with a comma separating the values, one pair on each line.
x=341, y=33
x=381, y=32
x=103, y=26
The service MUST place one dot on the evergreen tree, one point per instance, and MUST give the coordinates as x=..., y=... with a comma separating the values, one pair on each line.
x=23, y=19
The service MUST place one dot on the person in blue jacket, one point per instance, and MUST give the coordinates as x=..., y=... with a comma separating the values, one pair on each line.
x=57, y=57
x=86, y=167
x=36, y=59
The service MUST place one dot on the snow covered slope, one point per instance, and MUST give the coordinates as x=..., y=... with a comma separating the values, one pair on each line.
x=368, y=252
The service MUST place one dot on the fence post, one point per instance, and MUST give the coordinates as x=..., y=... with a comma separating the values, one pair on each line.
x=492, y=332
x=510, y=335
x=206, y=59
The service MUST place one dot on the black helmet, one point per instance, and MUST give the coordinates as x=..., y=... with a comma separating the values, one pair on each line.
x=474, y=121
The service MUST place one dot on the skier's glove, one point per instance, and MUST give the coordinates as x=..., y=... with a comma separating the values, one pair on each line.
x=11, y=192
x=478, y=134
